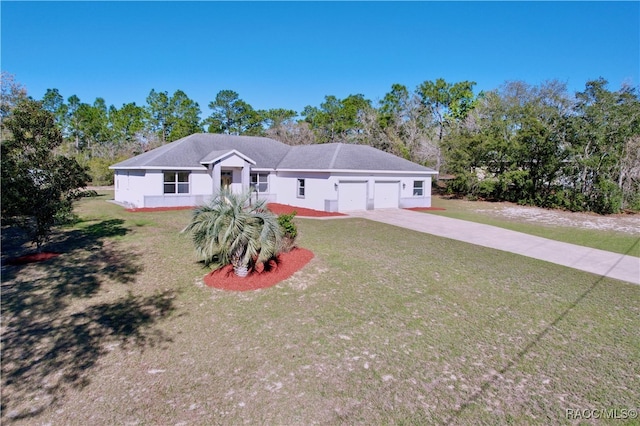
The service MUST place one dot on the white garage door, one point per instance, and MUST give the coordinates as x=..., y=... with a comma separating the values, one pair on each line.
x=352, y=196
x=386, y=195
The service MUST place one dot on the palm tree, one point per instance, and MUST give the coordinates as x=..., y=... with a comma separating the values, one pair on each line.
x=231, y=230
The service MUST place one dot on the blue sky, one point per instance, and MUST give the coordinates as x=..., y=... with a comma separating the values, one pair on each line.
x=292, y=54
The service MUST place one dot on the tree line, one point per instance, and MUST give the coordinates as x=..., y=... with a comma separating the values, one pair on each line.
x=531, y=144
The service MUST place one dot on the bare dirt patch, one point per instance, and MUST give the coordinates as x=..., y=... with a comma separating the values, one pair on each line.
x=265, y=276
x=625, y=223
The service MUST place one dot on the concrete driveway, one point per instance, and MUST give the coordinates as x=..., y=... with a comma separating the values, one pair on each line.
x=600, y=262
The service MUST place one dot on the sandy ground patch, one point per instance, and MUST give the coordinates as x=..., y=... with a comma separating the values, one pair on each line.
x=626, y=223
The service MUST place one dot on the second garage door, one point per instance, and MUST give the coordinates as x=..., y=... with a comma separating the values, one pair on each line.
x=386, y=195
x=352, y=196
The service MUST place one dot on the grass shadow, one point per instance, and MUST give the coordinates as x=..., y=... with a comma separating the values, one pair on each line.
x=56, y=321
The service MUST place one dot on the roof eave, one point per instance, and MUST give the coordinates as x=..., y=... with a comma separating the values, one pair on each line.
x=358, y=171
x=116, y=167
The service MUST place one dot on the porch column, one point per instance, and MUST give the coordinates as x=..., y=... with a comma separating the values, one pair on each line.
x=246, y=176
x=216, y=176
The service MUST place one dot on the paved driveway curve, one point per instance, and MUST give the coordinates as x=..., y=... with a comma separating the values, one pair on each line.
x=600, y=262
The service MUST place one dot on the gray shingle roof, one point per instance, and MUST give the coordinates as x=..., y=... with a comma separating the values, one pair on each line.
x=341, y=156
x=191, y=151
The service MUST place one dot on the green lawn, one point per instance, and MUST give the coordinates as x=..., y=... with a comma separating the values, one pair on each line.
x=383, y=326
x=481, y=212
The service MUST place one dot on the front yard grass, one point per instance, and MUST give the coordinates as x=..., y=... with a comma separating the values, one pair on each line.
x=383, y=326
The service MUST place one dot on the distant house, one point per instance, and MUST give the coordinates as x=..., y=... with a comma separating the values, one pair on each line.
x=328, y=177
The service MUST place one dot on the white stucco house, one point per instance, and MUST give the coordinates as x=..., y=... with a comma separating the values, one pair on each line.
x=328, y=177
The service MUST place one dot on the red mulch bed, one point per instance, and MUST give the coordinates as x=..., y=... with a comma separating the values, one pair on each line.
x=425, y=209
x=274, y=207
x=32, y=258
x=265, y=275
x=300, y=211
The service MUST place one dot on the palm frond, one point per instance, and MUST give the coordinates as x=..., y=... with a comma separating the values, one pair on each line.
x=231, y=229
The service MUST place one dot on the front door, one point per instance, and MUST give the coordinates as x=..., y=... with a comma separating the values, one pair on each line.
x=226, y=178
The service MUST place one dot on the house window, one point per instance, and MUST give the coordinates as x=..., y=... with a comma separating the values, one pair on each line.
x=418, y=188
x=260, y=182
x=176, y=182
x=300, y=188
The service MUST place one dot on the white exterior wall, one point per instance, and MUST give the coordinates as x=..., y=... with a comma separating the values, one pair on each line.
x=407, y=199
x=318, y=187
x=321, y=193
x=145, y=188
x=200, y=189
x=201, y=183
x=232, y=161
x=129, y=187
x=136, y=188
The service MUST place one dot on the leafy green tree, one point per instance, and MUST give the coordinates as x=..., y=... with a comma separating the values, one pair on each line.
x=629, y=179
x=445, y=103
x=93, y=123
x=233, y=116
x=231, y=230
x=337, y=120
x=184, y=117
x=292, y=132
x=172, y=117
x=401, y=116
x=126, y=122
x=277, y=117
x=53, y=102
x=539, y=156
x=536, y=145
x=38, y=186
x=603, y=129
x=73, y=120
x=324, y=120
x=353, y=106
x=159, y=111
x=395, y=106
x=11, y=93
x=281, y=124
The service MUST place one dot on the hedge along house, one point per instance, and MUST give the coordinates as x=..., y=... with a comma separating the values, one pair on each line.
x=328, y=177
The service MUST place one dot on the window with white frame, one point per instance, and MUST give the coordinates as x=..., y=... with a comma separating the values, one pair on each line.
x=301, y=188
x=176, y=182
x=260, y=181
x=418, y=188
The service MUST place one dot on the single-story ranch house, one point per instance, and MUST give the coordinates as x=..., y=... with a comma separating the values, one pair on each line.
x=328, y=177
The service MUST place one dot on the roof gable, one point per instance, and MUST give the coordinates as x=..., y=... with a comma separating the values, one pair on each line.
x=215, y=156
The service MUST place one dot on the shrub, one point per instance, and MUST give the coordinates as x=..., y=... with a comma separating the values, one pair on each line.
x=289, y=231
x=607, y=197
x=289, y=228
